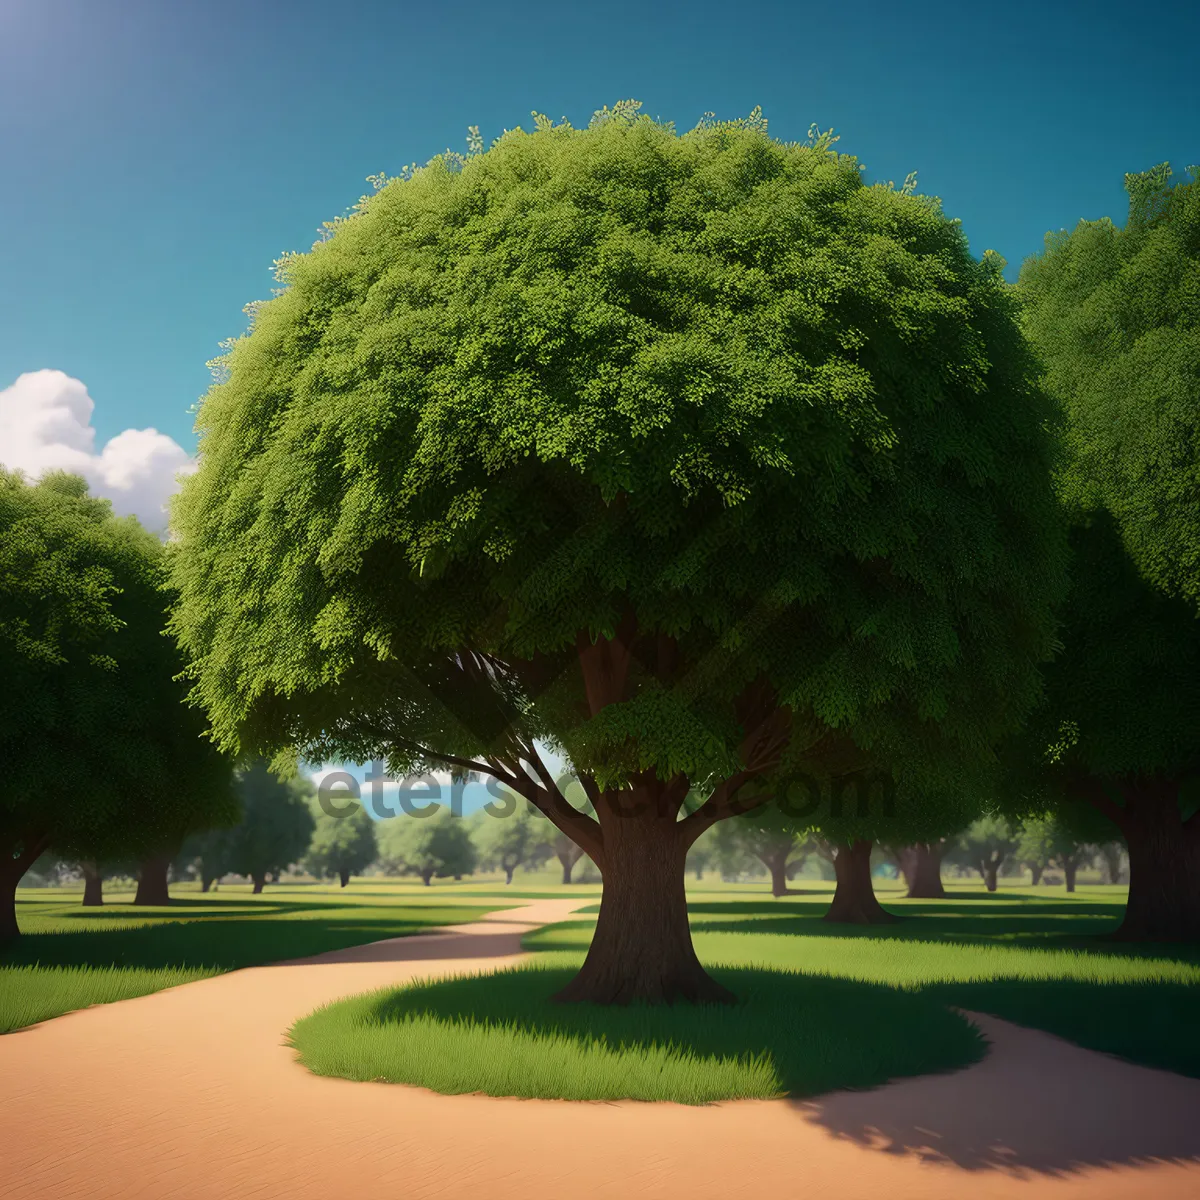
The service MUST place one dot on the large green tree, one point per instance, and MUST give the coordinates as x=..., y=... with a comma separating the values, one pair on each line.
x=693, y=457
x=1115, y=316
x=104, y=760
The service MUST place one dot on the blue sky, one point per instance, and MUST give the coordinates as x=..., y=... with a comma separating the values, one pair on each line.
x=157, y=156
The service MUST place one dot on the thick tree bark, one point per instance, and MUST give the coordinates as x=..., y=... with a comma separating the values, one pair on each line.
x=1070, y=866
x=1164, y=875
x=93, y=888
x=1164, y=854
x=854, y=901
x=152, y=881
x=1035, y=873
x=344, y=876
x=925, y=882
x=15, y=860
x=427, y=875
x=259, y=883
x=642, y=949
x=205, y=884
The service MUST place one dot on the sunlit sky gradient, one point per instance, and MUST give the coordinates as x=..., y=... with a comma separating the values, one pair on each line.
x=156, y=156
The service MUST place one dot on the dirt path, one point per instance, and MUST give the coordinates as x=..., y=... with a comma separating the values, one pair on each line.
x=190, y=1093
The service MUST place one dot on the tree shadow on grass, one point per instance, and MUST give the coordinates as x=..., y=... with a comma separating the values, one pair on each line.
x=231, y=942
x=817, y=1033
x=1034, y=1105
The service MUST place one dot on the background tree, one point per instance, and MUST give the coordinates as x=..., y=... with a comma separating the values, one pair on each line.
x=767, y=834
x=207, y=854
x=854, y=813
x=567, y=852
x=437, y=845
x=1049, y=840
x=509, y=841
x=103, y=758
x=987, y=845
x=341, y=846
x=920, y=865
x=1113, y=315
x=507, y=460
x=276, y=826
x=702, y=853
x=1112, y=855
x=1035, y=845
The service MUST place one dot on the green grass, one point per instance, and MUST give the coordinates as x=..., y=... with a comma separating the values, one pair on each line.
x=1035, y=960
x=820, y=1006
x=499, y=1034
x=69, y=957
x=32, y=994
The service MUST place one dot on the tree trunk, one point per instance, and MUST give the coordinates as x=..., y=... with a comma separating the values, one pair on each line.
x=259, y=883
x=508, y=874
x=205, y=884
x=1035, y=873
x=15, y=860
x=1164, y=872
x=152, y=881
x=344, y=876
x=427, y=875
x=699, y=874
x=776, y=863
x=569, y=857
x=1111, y=853
x=989, y=868
x=906, y=863
x=854, y=901
x=642, y=949
x=93, y=889
x=1069, y=869
x=925, y=882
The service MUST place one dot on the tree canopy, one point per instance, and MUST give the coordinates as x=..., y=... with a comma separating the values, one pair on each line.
x=693, y=457
x=1115, y=317
x=1115, y=313
x=104, y=760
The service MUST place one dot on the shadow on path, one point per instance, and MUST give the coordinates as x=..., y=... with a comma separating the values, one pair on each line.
x=1036, y=1104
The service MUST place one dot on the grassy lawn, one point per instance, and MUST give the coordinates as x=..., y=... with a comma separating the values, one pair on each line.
x=69, y=957
x=498, y=1033
x=821, y=1006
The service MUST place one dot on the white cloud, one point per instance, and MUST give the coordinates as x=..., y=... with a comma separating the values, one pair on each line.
x=46, y=424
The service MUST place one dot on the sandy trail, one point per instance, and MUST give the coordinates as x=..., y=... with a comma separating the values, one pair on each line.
x=191, y=1093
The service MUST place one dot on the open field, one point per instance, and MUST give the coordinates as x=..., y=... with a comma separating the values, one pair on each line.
x=69, y=957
